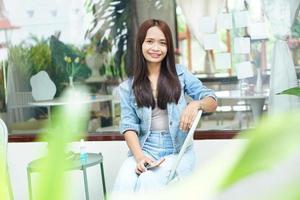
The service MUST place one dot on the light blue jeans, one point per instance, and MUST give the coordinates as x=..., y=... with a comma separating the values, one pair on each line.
x=158, y=145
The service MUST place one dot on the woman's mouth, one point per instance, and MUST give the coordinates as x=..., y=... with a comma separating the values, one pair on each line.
x=154, y=55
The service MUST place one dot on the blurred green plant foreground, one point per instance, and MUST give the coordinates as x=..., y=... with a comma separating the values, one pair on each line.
x=275, y=140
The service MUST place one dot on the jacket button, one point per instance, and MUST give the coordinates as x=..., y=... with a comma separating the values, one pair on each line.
x=171, y=123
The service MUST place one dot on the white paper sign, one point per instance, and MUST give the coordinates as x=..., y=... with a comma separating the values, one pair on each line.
x=211, y=42
x=241, y=45
x=223, y=60
x=43, y=88
x=258, y=31
x=224, y=21
x=241, y=19
x=207, y=24
x=244, y=70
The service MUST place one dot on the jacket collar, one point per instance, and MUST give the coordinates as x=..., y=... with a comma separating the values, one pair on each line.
x=179, y=69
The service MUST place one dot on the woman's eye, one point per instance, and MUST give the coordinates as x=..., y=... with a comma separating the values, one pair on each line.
x=163, y=43
x=149, y=41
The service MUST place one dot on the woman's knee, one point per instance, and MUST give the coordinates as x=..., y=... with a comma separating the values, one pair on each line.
x=128, y=165
x=126, y=178
x=146, y=176
x=149, y=181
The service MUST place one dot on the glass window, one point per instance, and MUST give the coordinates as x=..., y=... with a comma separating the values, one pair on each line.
x=91, y=43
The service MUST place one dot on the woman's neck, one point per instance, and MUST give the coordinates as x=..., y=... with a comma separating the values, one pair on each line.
x=153, y=69
x=153, y=74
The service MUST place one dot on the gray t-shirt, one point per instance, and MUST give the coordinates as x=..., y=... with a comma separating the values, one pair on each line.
x=159, y=119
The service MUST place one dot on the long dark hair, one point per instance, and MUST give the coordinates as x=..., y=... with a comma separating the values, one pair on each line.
x=168, y=85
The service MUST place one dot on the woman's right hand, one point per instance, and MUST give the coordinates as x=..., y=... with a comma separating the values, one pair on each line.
x=140, y=164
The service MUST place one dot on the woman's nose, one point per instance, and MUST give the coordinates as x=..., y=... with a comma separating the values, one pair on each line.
x=155, y=46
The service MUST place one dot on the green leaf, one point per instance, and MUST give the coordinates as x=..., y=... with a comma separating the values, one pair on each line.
x=3, y=179
x=68, y=123
x=292, y=91
x=289, y=192
x=274, y=140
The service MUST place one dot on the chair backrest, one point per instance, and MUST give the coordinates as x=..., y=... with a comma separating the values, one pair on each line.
x=3, y=159
x=20, y=100
x=3, y=140
x=186, y=144
x=17, y=106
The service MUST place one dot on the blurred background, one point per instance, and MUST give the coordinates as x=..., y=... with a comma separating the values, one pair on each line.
x=248, y=51
x=228, y=44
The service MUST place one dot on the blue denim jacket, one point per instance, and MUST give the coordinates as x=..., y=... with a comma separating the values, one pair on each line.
x=138, y=119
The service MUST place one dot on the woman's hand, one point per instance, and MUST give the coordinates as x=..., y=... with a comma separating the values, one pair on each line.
x=140, y=164
x=188, y=115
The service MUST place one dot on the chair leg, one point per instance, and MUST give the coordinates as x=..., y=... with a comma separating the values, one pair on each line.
x=86, y=188
x=103, y=179
x=29, y=183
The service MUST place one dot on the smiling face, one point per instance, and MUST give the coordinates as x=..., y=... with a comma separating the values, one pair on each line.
x=154, y=46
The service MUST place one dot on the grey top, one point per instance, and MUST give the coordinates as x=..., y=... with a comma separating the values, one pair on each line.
x=159, y=119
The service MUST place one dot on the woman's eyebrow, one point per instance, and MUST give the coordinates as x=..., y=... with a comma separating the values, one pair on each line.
x=150, y=38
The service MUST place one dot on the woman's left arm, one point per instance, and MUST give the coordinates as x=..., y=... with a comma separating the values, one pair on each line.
x=207, y=104
x=203, y=99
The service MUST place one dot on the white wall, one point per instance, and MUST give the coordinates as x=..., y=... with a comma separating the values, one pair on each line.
x=20, y=154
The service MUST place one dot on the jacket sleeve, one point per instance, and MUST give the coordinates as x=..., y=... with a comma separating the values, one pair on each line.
x=129, y=119
x=194, y=87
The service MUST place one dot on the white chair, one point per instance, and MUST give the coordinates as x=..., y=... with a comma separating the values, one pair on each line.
x=188, y=140
x=3, y=156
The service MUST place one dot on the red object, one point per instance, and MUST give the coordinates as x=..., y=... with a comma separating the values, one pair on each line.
x=177, y=52
x=6, y=25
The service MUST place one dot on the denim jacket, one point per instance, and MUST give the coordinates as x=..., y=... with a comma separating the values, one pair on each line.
x=138, y=119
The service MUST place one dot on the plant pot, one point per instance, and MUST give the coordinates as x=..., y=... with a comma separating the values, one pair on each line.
x=95, y=61
x=71, y=83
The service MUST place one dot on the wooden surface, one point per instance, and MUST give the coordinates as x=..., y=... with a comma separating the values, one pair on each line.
x=116, y=136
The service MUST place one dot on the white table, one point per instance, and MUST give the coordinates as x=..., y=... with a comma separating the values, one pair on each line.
x=256, y=100
x=61, y=101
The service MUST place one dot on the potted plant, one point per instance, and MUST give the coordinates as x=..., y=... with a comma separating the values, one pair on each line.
x=97, y=57
x=59, y=69
x=29, y=58
x=39, y=55
x=72, y=68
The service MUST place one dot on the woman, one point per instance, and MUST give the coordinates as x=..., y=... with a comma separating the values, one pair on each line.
x=154, y=115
